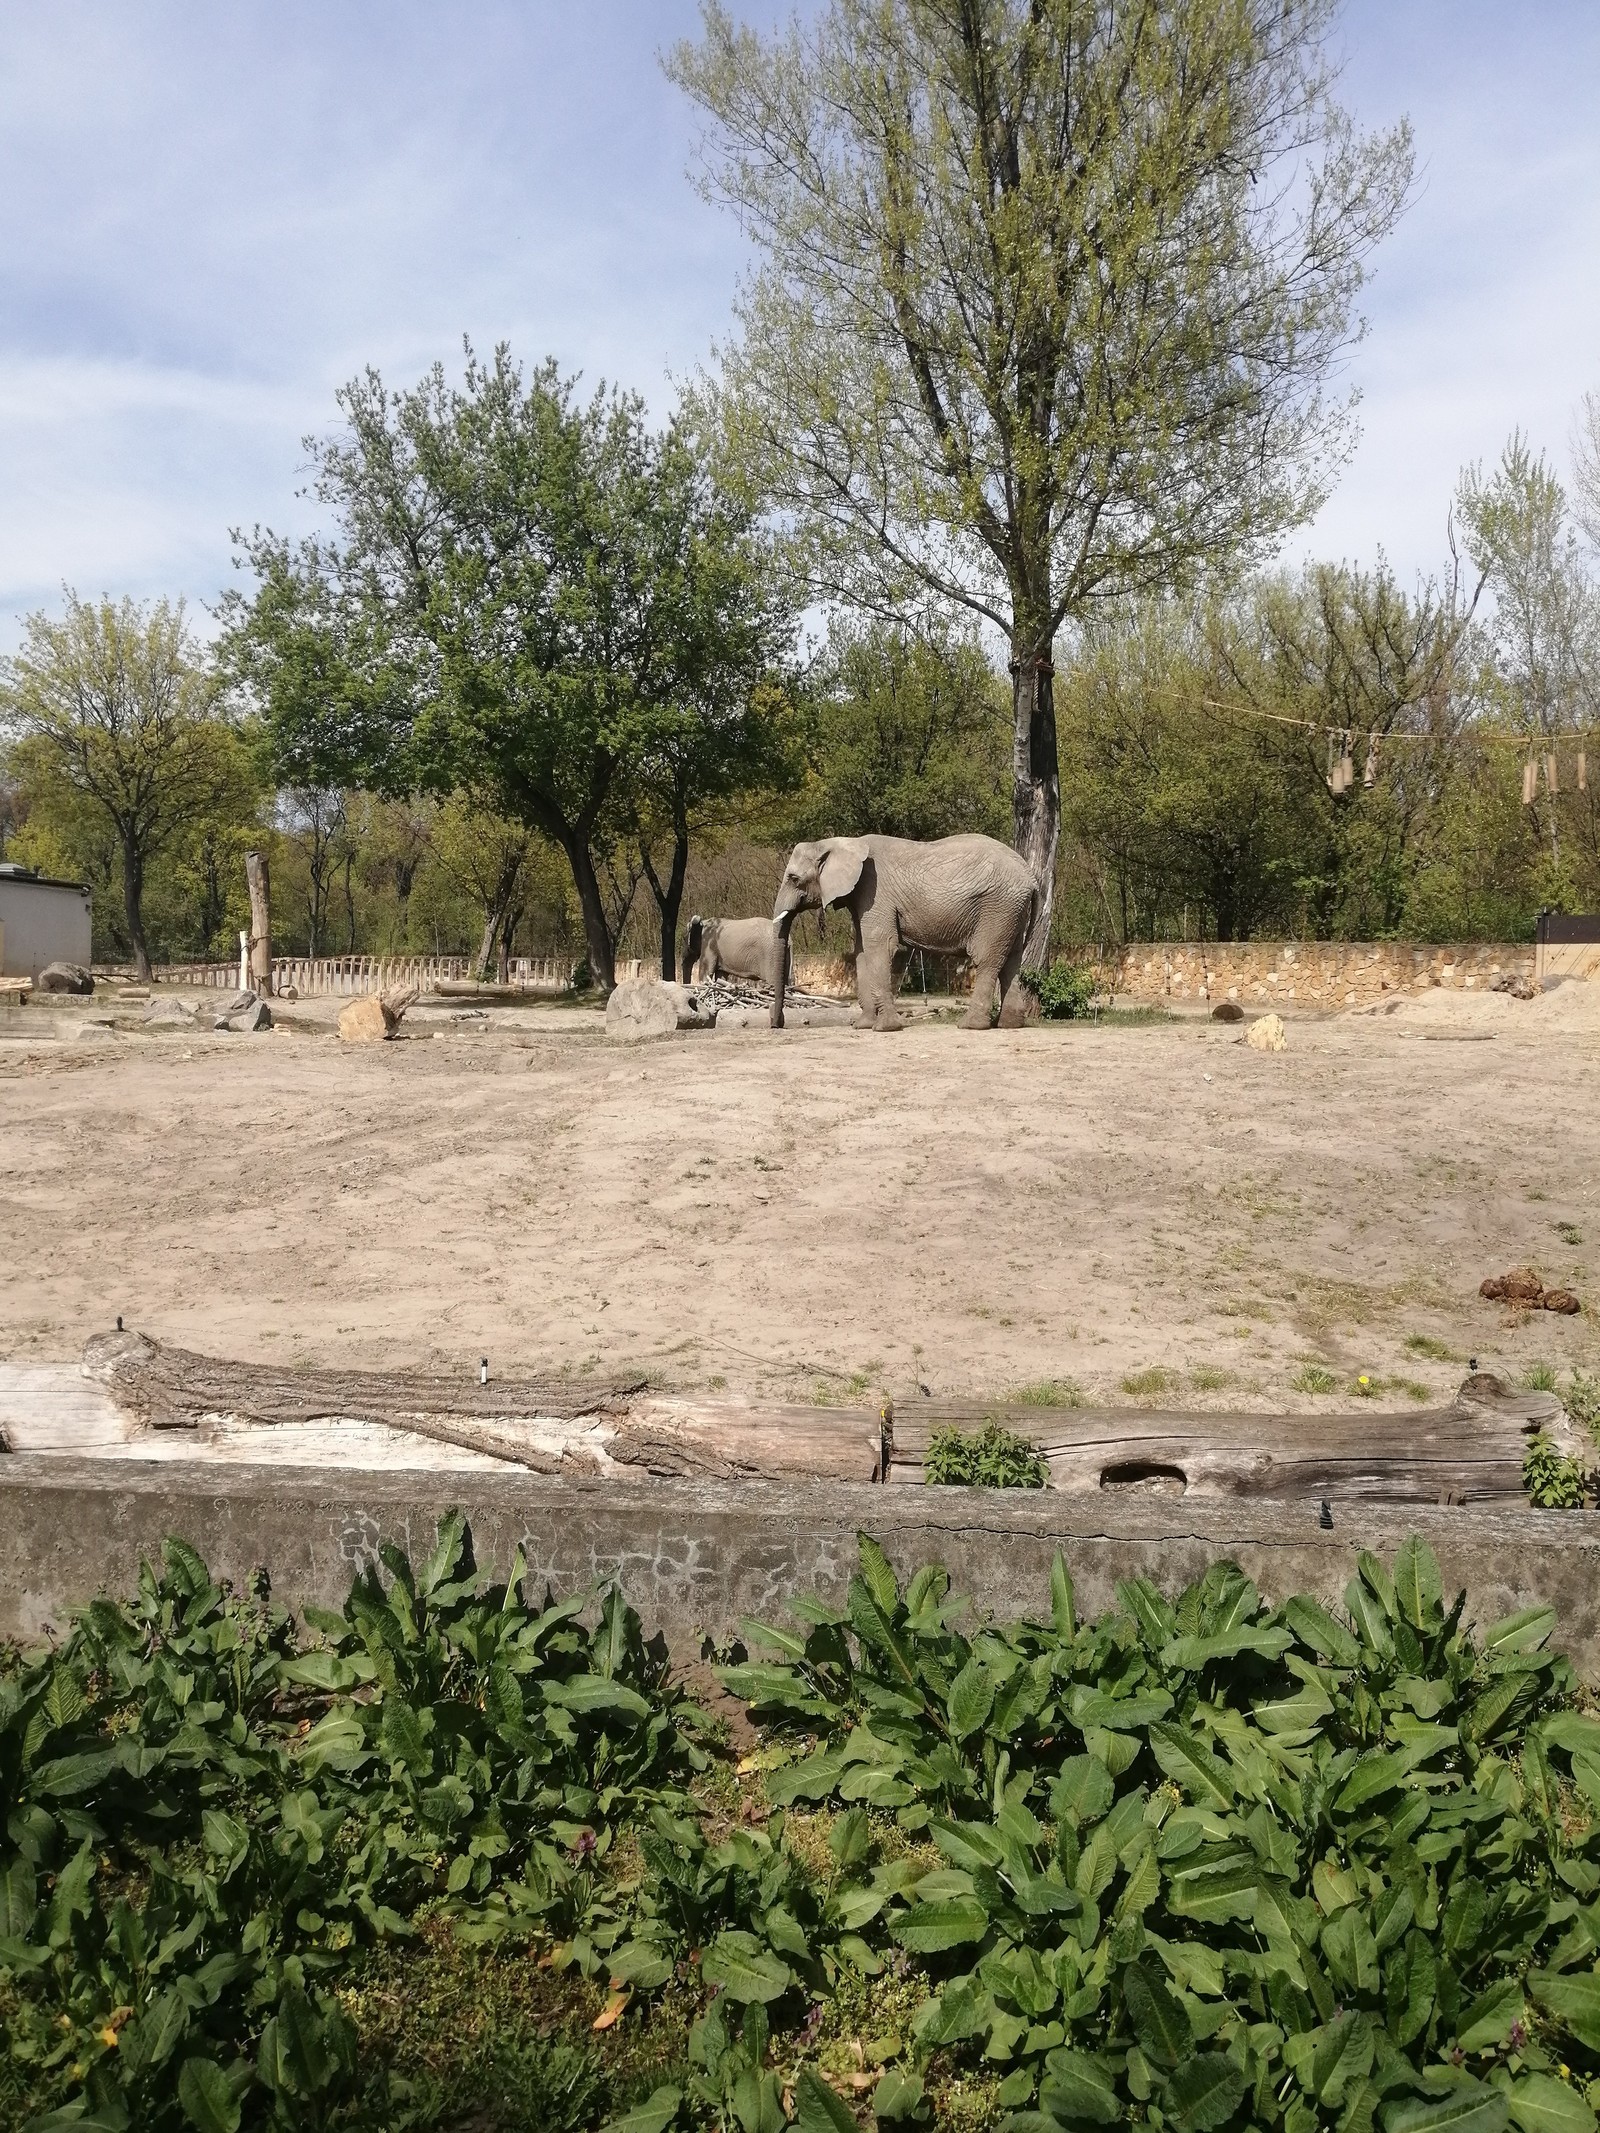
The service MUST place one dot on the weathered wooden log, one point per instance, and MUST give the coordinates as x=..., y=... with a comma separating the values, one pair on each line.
x=1469, y=1452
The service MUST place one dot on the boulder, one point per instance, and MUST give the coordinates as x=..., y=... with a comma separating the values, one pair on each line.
x=94, y=1033
x=253, y=1018
x=1227, y=1011
x=1521, y=1286
x=374, y=1018
x=654, y=1007
x=239, y=1003
x=1267, y=1035
x=168, y=1014
x=1513, y=982
x=63, y=977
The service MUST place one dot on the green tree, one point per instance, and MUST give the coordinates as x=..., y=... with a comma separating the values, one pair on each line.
x=907, y=735
x=512, y=606
x=1050, y=296
x=1543, y=674
x=118, y=707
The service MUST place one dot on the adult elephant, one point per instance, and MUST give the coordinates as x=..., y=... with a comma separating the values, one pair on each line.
x=970, y=894
x=753, y=948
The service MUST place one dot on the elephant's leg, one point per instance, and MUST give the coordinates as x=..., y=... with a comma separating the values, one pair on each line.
x=984, y=979
x=1013, y=1010
x=875, y=985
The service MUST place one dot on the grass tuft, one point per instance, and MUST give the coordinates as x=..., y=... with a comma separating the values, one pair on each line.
x=1313, y=1378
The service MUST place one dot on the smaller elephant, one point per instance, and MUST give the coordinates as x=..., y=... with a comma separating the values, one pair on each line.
x=959, y=893
x=756, y=949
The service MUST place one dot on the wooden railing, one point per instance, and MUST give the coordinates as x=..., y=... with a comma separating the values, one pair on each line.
x=353, y=975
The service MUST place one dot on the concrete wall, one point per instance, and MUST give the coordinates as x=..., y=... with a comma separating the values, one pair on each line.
x=696, y=1558
x=42, y=922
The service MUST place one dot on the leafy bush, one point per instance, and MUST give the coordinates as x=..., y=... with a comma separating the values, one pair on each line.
x=993, y=1458
x=1582, y=1402
x=1553, y=1481
x=1212, y=1864
x=1313, y=1378
x=1064, y=991
x=1199, y=1865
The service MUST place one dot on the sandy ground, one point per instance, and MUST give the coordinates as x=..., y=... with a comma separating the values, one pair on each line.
x=822, y=1213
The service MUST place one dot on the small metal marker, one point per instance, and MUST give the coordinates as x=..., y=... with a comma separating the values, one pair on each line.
x=483, y=1370
x=1325, y=1517
x=119, y=1321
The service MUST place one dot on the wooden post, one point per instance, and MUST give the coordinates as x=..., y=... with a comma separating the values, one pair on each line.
x=255, y=871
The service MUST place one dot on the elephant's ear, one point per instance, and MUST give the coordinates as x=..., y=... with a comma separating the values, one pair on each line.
x=840, y=870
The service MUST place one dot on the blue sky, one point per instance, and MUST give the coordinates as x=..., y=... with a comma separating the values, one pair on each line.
x=213, y=215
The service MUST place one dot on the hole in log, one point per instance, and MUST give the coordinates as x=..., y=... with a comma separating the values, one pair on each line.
x=1145, y=1475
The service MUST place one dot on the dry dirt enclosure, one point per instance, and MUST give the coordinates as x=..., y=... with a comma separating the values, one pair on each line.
x=1149, y=1212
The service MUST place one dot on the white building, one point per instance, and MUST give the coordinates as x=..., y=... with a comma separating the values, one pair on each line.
x=41, y=921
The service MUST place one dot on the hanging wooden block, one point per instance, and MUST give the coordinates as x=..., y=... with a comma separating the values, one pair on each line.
x=1550, y=778
x=1583, y=771
x=1530, y=781
x=1370, y=776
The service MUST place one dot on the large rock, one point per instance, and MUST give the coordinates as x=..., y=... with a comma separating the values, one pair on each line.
x=654, y=1007
x=1267, y=1035
x=257, y=1017
x=168, y=1014
x=96, y=1032
x=374, y=1018
x=240, y=1002
x=63, y=977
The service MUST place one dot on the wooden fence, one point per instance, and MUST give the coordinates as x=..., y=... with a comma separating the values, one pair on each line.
x=353, y=975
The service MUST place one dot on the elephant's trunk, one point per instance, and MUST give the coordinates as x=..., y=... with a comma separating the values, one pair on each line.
x=691, y=947
x=780, y=962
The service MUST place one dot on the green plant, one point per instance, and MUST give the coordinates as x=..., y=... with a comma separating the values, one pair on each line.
x=1553, y=1481
x=1148, y=1384
x=1569, y=1233
x=1582, y=1402
x=1313, y=1378
x=1064, y=991
x=1540, y=1377
x=1049, y=1392
x=1238, y=1865
x=1435, y=1350
x=1208, y=1377
x=990, y=1458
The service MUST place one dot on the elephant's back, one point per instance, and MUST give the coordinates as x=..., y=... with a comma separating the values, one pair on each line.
x=970, y=863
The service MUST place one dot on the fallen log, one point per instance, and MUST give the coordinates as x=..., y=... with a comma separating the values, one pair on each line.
x=1468, y=1452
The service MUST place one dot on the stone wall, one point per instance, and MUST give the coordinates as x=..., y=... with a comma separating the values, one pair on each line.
x=1307, y=974
x=695, y=1558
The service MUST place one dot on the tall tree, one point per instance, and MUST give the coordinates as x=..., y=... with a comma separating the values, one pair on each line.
x=1050, y=295
x=117, y=702
x=506, y=607
x=1544, y=672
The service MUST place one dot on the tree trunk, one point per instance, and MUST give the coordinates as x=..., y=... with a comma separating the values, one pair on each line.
x=491, y=925
x=669, y=896
x=1035, y=778
x=255, y=874
x=133, y=904
x=596, y=933
x=508, y=930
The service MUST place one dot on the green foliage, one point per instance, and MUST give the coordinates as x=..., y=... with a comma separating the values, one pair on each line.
x=991, y=1458
x=1064, y=991
x=206, y=1826
x=1235, y=1865
x=1582, y=1401
x=908, y=735
x=1553, y=1481
x=1313, y=1378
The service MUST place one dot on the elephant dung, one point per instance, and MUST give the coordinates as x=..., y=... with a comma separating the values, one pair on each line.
x=1267, y=1035
x=374, y=1018
x=653, y=1007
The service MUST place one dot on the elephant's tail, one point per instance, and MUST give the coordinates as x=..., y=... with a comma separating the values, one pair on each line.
x=691, y=946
